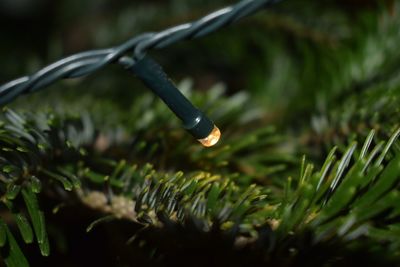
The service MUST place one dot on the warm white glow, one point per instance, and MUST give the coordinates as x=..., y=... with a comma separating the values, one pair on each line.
x=212, y=138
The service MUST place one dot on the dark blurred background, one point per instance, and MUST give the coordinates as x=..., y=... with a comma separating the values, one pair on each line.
x=291, y=51
x=257, y=54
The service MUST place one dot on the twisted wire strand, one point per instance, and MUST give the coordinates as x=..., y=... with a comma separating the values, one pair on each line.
x=85, y=63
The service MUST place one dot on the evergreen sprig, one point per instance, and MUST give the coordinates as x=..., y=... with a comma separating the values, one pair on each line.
x=331, y=203
x=47, y=152
x=332, y=93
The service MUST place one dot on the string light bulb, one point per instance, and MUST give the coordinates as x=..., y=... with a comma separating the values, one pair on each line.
x=194, y=121
x=212, y=138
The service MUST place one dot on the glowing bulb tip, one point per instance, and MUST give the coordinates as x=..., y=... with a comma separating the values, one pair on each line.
x=212, y=138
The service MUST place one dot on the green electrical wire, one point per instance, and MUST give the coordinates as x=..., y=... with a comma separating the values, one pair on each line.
x=86, y=63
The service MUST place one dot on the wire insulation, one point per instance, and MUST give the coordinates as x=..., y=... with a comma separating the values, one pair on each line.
x=86, y=63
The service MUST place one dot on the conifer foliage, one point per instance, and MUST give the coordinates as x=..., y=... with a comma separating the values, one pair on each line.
x=97, y=171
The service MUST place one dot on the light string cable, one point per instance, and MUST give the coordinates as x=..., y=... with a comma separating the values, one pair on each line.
x=147, y=70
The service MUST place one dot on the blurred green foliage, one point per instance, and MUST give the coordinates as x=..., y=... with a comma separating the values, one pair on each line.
x=101, y=153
